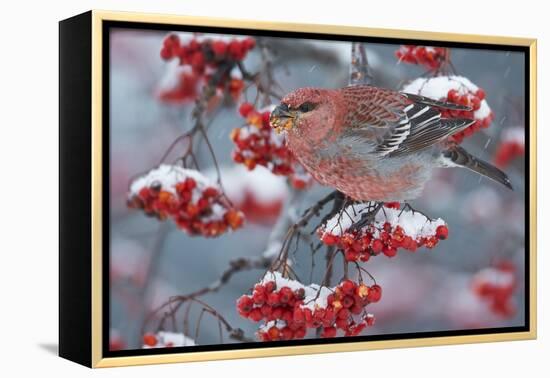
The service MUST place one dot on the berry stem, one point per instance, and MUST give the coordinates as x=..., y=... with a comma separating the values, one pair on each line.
x=359, y=67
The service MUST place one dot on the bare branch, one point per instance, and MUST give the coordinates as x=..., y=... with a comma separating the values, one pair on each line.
x=359, y=67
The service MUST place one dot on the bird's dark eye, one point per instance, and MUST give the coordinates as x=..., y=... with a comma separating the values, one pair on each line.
x=306, y=107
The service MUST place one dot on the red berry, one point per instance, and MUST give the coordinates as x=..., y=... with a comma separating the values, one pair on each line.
x=476, y=103
x=249, y=43
x=219, y=48
x=197, y=61
x=165, y=53
x=255, y=315
x=298, y=316
x=356, y=309
x=389, y=251
x=286, y=333
x=343, y=313
x=480, y=93
x=274, y=333
x=300, y=333
x=210, y=192
x=392, y=205
x=259, y=297
x=375, y=293
x=442, y=232
x=328, y=332
x=194, y=45
x=190, y=183
x=144, y=194
x=377, y=246
x=347, y=301
x=269, y=286
x=273, y=299
x=149, y=339
x=329, y=239
x=365, y=257
x=366, y=240
x=342, y=323
x=285, y=294
x=171, y=41
x=369, y=319
x=300, y=293
x=276, y=313
x=245, y=109
x=235, y=50
x=351, y=255
x=266, y=310
x=245, y=304
x=348, y=287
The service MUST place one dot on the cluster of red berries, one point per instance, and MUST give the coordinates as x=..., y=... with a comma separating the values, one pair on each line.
x=261, y=212
x=430, y=57
x=151, y=340
x=166, y=340
x=511, y=146
x=474, y=101
x=458, y=90
x=184, y=89
x=210, y=60
x=290, y=309
x=392, y=229
x=201, y=53
x=257, y=143
x=188, y=198
x=497, y=285
x=508, y=151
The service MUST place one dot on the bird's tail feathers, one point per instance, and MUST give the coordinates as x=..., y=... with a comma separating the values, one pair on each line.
x=458, y=156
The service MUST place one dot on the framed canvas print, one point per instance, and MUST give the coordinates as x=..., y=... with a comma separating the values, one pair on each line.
x=236, y=189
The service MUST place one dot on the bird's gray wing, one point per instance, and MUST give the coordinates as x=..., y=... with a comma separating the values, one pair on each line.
x=420, y=127
x=398, y=123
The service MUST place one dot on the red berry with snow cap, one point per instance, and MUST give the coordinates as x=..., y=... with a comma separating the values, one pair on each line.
x=186, y=197
x=150, y=339
x=292, y=308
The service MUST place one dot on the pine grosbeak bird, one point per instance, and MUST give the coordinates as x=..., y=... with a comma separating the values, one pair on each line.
x=374, y=144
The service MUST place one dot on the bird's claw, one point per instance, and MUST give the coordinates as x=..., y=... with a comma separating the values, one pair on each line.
x=366, y=218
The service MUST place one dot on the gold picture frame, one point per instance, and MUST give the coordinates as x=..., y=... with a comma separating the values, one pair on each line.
x=95, y=20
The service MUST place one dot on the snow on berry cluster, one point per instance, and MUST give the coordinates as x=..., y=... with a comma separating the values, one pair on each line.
x=166, y=340
x=204, y=59
x=428, y=56
x=259, y=194
x=257, y=143
x=289, y=308
x=187, y=197
x=512, y=145
x=391, y=229
x=496, y=286
x=457, y=90
x=116, y=342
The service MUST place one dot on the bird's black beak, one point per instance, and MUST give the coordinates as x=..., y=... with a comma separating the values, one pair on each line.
x=282, y=118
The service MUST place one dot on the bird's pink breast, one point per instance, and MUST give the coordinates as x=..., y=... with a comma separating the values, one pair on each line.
x=361, y=179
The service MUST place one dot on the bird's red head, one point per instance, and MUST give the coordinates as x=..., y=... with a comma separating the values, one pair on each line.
x=310, y=113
